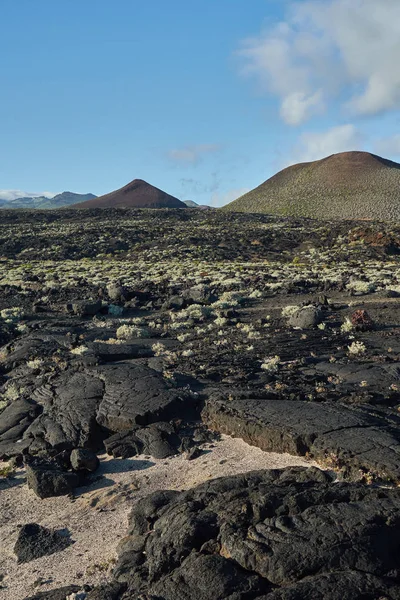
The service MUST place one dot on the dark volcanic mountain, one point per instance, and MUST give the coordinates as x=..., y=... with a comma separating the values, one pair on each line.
x=137, y=194
x=348, y=185
x=64, y=199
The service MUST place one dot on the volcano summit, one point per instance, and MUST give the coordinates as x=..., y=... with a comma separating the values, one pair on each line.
x=136, y=194
x=349, y=185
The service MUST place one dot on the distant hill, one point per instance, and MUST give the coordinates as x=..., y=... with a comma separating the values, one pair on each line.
x=137, y=194
x=193, y=204
x=64, y=199
x=348, y=185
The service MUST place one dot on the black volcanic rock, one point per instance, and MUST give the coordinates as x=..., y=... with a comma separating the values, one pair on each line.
x=356, y=440
x=47, y=479
x=35, y=541
x=137, y=194
x=288, y=534
x=136, y=395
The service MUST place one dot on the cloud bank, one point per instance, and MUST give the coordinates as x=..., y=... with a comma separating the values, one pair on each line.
x=329, y=49
x=14, y=194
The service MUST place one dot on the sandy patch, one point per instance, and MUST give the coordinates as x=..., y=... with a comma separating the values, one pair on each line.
x=97, y=517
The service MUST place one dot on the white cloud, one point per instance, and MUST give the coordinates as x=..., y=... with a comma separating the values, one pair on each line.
x=325, y=49
x=388, y=146
x=13, y=194
x=297, y=107
x=192, y=155
x=314, y=146
x=220, y=199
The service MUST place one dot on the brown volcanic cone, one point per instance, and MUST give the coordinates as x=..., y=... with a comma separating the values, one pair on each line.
x=137, y=194
x=349, y=185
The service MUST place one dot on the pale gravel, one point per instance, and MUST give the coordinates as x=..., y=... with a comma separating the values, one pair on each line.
x=97, y=530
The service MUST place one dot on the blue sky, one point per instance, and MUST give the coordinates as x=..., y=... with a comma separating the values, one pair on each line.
x=202, y=98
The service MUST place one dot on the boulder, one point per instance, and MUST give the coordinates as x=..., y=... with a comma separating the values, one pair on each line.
x=306, y=317
x=86, y=308
x=83, y=459
x=117, y=292
x=175, y=303
x=159, y=440
x=123, y=445
x=199, y=294
x=35, y=541
x=47, y=479
x=290, y=534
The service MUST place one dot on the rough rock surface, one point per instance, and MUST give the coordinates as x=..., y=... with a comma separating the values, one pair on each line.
x=348, y=437
x=56, y=594
x=286, y=534
x=14, y=421
x=34, y=541
x=46, y=478
x=80, y=408
x=135, y=394
x=306, y=317
x=69, y=416
x=83, y=459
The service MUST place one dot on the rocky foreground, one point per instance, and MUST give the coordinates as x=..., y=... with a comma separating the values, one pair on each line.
x=147, y=336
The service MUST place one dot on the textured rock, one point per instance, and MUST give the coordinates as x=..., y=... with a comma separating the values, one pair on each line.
x=86, y=308
x=199, y=294
x=83, y=459
x=123, y=445
x=35, y=541
x=306, y=317
x=136, y=395
x=175, y=303
x=46, y=478
x=350, y=437
x=159, y=440
x=288, y=534
x=14, y=421
x=69, y=413
x=116, y=292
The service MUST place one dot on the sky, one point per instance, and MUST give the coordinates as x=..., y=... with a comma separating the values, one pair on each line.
x=205, y=99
